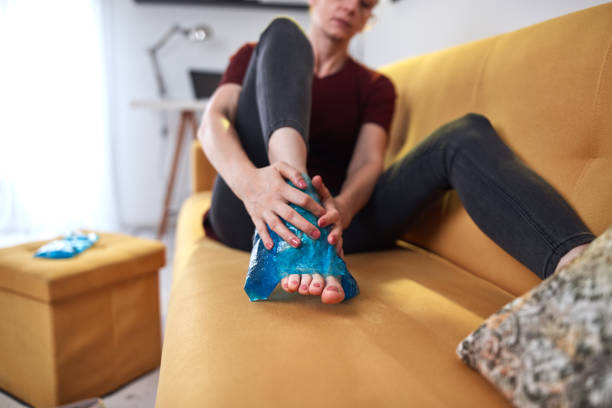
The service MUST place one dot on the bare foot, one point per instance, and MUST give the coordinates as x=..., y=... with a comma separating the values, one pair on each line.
x=329, y=288
x=569, y=256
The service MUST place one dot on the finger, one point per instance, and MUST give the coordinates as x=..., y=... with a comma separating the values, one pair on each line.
x=335, y=234
x=294, y=282
x=332, y=216
x=339, y=247
x=279, y=227
x=317, y=183
x=316, y=285
x=295, y=219
x=291, y=173
x=303, y=200
x=305, y=284
x=262, y=230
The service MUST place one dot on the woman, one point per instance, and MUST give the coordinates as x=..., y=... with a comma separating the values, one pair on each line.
x=258, y=132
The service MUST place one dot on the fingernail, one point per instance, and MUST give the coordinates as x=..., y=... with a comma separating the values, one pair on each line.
x=304, y=287
x=295, y=242
x=303, y=184
x=317, y=285
x=315, y=234
x=333, y=288
x=294, y=282
x=269, y=245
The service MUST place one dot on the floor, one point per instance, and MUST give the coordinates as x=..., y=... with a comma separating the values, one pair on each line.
x=141, y=392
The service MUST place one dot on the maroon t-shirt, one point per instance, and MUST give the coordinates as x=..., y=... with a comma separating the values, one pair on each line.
x=341, y=103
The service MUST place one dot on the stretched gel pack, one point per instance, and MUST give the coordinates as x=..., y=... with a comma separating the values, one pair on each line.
x=268, y=267
x=67, y=247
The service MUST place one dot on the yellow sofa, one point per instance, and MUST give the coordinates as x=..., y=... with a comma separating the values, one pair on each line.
x=547, y=89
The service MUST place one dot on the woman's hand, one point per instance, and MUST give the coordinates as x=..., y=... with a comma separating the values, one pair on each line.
x=334, y=215
x=266, y=197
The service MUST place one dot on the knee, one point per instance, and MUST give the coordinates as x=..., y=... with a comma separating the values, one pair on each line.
x=284, y=22
x=475, y=119
x=288, y=31
x=284, y=28
x=468, y=130
x=473, y=124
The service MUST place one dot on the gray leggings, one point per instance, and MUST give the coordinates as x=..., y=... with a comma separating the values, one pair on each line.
x=510, y=203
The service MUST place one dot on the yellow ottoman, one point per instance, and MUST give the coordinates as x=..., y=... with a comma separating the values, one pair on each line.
x=78, y=327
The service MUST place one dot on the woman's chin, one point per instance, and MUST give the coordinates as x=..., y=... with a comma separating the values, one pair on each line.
x=340, y=35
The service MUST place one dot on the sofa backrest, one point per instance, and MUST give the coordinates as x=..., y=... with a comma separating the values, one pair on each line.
x=547, y=90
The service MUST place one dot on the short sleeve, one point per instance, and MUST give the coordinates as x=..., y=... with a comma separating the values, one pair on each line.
x=380, y=102
x=236, y=69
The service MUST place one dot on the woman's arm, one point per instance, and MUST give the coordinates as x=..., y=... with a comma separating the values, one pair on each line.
x=364, y=169
x=263, y=191
x=220, y=141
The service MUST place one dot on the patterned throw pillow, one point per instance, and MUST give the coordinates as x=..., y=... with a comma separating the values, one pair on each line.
x=552, y=347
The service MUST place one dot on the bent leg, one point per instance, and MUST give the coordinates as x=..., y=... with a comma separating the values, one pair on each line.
x=508, y=201
x=272, y=122
x=275, y=94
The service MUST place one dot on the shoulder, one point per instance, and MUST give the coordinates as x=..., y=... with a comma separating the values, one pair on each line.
x=238, y=63
x=371, y=80
x=377, y=95
x=244, y=52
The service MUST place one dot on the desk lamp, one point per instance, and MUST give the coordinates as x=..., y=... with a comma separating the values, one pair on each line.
x=198, y=33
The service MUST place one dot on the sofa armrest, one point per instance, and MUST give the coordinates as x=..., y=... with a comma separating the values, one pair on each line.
x=202, y=172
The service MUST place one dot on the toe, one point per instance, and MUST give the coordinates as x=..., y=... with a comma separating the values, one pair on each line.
x=305, y=284
x=285, y=283
x=333, y=292
x=316, y=285
x=294, y=282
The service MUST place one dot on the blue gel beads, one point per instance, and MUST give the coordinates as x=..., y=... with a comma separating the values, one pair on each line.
x=268, y=267
x=67, y=247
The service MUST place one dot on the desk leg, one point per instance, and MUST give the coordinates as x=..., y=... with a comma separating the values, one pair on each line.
x=186, y=116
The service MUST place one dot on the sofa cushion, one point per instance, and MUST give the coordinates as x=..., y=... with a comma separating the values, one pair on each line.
x=395, y=342
x=552, y=346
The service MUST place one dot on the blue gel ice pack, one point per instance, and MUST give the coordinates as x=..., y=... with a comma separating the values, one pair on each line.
x=67, y=247
x=268, y=267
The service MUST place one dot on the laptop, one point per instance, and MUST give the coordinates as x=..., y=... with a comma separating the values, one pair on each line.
x=204, y=83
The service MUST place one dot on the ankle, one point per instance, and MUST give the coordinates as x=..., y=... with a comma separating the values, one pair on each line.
x=287, y=145
x=570, y=256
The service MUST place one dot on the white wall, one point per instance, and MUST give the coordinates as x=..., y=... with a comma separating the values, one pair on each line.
x=142, y=157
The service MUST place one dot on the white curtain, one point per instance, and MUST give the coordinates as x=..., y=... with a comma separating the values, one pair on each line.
x=55, y=165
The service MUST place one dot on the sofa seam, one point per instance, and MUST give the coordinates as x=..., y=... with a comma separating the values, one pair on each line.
x=597, y=99
x=481, y=70
x=596, y=115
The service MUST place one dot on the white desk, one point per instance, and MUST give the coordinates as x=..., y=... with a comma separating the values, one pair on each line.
x=171, y=105
x=187, y=110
